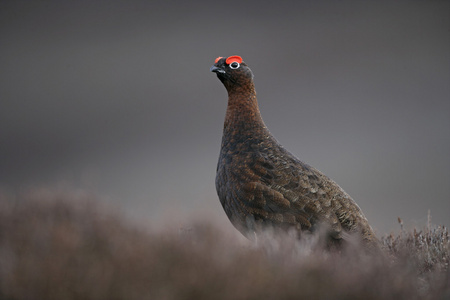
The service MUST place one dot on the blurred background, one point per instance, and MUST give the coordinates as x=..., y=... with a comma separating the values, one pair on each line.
x=115, y=98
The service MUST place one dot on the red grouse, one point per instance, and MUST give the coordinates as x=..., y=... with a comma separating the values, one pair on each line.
x=261, y=184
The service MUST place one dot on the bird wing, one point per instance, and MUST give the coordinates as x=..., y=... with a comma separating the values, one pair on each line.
x=280, y=189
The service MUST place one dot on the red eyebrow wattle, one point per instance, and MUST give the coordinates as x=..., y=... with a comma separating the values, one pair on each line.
x=233, y=59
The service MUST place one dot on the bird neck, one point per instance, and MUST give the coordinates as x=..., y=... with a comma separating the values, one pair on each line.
x=243, y=115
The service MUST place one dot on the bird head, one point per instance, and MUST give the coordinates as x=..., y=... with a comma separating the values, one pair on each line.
x=232, y=71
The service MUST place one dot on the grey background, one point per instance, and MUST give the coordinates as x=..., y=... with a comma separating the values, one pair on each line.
x=116, y=98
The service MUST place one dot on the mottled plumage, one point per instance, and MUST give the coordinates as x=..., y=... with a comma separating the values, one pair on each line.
x=259, y=183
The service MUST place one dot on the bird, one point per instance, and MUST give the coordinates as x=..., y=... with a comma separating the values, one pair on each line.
x=262, y=185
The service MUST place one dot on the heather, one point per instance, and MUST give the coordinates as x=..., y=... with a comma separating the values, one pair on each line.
x=57, y=246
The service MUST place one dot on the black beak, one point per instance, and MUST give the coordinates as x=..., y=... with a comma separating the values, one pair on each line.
x=217, y=70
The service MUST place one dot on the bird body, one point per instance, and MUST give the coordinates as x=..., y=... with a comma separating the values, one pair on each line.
x=260, y=183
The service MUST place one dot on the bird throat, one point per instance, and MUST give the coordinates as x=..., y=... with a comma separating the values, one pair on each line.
x=243, y=115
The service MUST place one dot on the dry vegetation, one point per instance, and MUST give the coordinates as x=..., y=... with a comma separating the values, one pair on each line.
x=52, y=247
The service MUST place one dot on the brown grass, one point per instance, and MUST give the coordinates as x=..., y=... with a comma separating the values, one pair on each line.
x=59, y=247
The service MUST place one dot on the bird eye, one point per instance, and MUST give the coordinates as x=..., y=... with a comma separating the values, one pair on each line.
x=234, y=65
